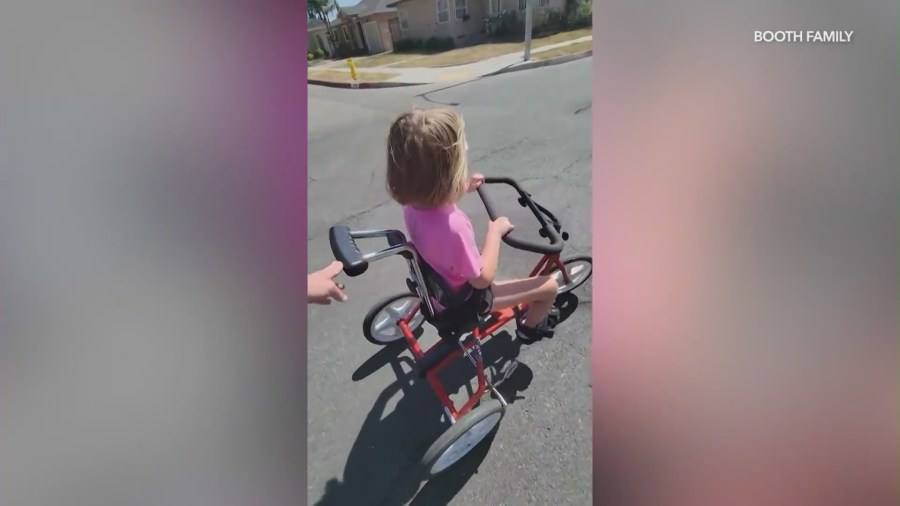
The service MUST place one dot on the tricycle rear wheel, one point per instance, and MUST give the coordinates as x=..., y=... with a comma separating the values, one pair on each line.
x=380, y=324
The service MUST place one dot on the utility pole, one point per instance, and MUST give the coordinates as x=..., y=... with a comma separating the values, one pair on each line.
x=529, y=20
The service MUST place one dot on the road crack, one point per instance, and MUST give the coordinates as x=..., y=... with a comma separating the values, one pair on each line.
x=345, y=220
x=501, y=149
x=367, y=211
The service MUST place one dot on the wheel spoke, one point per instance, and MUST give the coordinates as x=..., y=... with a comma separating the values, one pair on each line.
x=385, y=322
x=404, y=309
x=383, y=328
x=394, y=313
x=576, y=272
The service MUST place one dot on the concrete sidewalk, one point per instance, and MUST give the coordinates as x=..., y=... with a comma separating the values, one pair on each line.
x=428, y=75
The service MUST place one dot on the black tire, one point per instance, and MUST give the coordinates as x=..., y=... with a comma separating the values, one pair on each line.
x=486, y=417
x=584, y=259
x=397, y=335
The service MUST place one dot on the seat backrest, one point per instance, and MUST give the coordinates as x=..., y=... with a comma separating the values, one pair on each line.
x=455, y=318
x=438, y=287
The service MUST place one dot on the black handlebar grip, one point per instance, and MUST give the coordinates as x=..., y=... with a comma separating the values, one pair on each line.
x=487, y=203
x=346, y=252
x=556, y=244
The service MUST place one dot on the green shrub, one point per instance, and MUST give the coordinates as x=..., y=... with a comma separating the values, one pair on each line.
x=551, y=22
x=580, y=14
x=507, y=25
x=556, y=21
x=407, y=45
x=309, y=57
x=436, y=44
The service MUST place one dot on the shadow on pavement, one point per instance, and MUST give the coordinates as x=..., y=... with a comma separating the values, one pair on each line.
x=383, y=465
x=567, y=304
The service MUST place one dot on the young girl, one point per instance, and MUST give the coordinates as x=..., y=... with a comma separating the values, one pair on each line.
x=427, y=174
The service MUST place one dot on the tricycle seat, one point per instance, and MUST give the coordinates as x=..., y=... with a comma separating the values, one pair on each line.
x=460, y=316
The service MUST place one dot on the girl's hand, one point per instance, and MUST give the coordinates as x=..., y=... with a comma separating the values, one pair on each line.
x=474, y=182
x=501, y=226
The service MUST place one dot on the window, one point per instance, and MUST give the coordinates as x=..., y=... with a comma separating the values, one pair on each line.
x=523, y=4
x=544, y=3
x=443, y=11
x=461, y=10
x=495, y=6
x=345, y=33
x=404, y=19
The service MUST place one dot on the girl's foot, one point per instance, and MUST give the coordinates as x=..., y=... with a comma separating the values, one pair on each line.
x=529, y=335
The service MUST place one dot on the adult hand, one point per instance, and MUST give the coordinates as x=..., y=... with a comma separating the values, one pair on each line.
x=321, y=287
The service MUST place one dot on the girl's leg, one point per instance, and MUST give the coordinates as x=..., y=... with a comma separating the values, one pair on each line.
x=538, y=293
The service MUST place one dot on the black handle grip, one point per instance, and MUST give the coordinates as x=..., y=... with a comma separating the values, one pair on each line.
x=344, y=248
x=556, y=244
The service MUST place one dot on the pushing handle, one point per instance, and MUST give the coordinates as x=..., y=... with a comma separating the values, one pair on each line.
x=550, y=232
x=344, y=248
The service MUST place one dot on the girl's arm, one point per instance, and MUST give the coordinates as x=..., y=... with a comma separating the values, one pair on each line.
x=490, y=253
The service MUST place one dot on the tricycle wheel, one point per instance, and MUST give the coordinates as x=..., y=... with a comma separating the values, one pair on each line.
x=380, y=324
x=579, y=269
x=463, y=436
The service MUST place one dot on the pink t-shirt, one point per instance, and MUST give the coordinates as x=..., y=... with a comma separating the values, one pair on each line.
x=445, y=239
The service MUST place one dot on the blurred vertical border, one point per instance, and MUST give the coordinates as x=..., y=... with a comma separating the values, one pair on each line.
x=153, y=218
x=746, y=254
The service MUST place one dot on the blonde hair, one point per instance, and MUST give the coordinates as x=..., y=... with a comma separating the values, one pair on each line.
x=426, y=157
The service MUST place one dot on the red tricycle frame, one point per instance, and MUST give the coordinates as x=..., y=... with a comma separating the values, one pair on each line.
x=497, y=319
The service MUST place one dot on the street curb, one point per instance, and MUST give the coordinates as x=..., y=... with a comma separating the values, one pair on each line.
x=543, y=63
x=361, y=86
x=524, y=66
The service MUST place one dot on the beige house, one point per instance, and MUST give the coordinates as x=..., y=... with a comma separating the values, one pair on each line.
x=317, y=37
x=371, y=24
x=461, y=20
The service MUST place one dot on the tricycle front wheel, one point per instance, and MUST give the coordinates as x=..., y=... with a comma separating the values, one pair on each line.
x=463, y=436
x=578, y=269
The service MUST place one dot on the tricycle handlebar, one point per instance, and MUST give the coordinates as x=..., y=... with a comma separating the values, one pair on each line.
x=547, y=230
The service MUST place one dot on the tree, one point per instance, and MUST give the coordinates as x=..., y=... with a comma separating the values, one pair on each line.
x=321, y=9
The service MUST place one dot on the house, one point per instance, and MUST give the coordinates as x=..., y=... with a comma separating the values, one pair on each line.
x=317, y=37
x=371, y=24
x=343, y=40
x=461, y=20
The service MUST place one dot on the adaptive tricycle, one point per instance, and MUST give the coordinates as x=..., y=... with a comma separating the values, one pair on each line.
x=399, y=317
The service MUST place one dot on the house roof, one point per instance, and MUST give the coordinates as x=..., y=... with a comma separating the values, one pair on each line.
x=313, y=23
x=368, y=8
x=395, y=3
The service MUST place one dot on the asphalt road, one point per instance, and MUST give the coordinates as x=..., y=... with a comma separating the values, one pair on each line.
x=371, y=418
